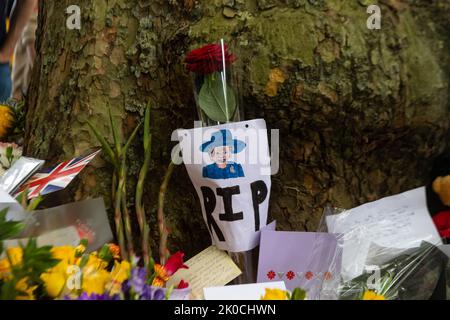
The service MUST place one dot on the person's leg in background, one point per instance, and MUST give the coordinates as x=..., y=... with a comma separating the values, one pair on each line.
x=5, y=82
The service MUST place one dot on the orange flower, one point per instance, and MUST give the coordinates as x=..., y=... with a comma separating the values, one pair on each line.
x=115, y=250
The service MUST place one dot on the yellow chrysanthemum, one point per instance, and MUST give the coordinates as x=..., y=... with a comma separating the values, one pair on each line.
x=6, y=120
x=274, y=294
x=371, y=295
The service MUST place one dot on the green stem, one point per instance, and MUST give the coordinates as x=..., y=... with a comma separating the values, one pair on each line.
x=163, y=231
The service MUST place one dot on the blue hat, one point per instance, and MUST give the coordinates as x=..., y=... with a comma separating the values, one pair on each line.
x=223, y=138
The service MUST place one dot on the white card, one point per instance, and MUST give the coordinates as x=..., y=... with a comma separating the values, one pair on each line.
x=229, y=166
x=400, y=221
x=253, y=291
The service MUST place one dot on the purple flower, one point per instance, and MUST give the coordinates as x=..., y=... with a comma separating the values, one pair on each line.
x=146, y=293
x=138, y=278
x=159, y=295
x=94, y=296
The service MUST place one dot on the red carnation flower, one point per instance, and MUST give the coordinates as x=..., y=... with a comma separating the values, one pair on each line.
x=208, y=59
x=309, y=275
x=183, y=285
x=442, y=222
x=271, y=274
x=174, y=263
x=290, y=275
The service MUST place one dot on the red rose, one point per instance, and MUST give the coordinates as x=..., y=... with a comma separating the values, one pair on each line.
x=208, y=59
x=174, y=263
x=183, y=285
x=442, y=222
x=290, y=275
x=271, y=274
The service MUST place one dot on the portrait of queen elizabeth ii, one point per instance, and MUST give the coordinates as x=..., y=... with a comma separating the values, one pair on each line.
x=220, y=148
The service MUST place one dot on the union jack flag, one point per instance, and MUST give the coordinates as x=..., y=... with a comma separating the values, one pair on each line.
x=56, y=178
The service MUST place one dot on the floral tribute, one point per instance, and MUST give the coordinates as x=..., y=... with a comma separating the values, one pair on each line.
x=31, y=272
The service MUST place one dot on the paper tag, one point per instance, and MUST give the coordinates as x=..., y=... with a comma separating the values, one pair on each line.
x=209, y=268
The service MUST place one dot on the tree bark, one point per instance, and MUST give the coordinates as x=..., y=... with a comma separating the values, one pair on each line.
x=362, y=113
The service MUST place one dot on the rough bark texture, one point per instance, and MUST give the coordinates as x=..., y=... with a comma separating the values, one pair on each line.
x=362, y=113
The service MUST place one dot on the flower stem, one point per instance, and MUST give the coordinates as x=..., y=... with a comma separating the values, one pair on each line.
x=163, y=231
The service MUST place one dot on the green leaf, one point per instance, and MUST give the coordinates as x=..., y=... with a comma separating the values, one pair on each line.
x=298, y=294
x=116, y=134
x=212, y=99
x=8, y=229
x=105, y=145
x=131, y=138
x=147, y=126
x=34, y=203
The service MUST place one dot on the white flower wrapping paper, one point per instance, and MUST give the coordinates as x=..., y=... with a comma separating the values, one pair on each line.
x=229, y=166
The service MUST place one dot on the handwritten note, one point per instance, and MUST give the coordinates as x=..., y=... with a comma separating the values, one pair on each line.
x=400, y=221
x=209, y=268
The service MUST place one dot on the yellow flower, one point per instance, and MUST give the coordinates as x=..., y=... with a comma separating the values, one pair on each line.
x=80, y=249
x=119, y=274
x=54, y=283
x=27, y=291
x=371, y=295
x=15, y=255
x=64, y=253
x=95, y=281
x=95, y=262
x=121, y=271
x=6, y=120
x=4, y=269
x=274, y=294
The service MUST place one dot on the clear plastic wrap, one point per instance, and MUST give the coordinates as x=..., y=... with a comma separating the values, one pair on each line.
x=19, y=173
x=67, y=225
x=409, y=268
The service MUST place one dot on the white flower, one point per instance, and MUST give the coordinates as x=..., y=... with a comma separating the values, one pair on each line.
x=9, y=153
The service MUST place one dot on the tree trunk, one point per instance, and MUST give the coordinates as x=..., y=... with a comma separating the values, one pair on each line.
x=362, y=113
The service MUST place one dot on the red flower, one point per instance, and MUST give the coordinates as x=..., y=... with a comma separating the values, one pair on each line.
x=208, y=59
x=442, y=222
x=290, y=275
x=183, y=285
x=174, y=263
x=309, y=275
x=328, y=276
x=271, y=274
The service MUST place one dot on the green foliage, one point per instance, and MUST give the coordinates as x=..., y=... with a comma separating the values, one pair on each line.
x=35, y=261
x=212, y=99
x=298, y=294
x=8, y=229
